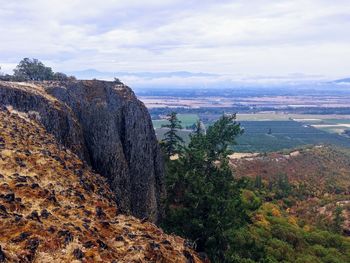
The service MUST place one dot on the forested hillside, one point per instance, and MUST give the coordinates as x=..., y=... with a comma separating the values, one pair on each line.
x=253, y=209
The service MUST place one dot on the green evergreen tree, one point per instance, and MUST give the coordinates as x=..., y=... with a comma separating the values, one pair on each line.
x=224, y=217
x=203, y=201
x=198, y=128
x=338, y=220
x=258, y=182
x=283, y=186
x=172, y=143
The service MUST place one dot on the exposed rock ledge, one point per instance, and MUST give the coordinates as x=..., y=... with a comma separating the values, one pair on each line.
x=105, y=125
x=53, y=208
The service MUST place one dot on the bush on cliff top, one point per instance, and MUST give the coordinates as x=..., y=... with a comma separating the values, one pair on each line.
x=33, y=69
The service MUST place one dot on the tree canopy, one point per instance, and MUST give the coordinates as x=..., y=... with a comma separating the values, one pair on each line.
x=203, y=199
x=234, y=220
x=172, y=142
x=33, y=69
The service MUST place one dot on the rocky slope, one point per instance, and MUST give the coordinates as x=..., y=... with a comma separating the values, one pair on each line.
x=105, y=125
x=53, y=208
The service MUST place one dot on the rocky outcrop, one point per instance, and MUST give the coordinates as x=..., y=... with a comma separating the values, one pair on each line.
x=105, y=125
x=54, y=208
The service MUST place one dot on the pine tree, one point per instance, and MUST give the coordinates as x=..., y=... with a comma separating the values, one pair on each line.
x=338, y=220
x=283, y=186
x=198, y=129
x=172, y=143
x=203, y=202
x=258, y=182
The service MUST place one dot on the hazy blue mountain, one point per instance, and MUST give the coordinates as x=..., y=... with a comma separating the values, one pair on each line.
x=93, y=73
x=346, y=80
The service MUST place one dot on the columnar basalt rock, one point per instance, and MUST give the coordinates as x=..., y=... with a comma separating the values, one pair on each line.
x=105, y=125
x=54, y=208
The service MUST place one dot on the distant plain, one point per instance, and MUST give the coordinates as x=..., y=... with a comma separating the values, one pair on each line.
x=273, y=120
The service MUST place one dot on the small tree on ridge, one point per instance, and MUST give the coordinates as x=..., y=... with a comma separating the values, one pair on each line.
x=172, y=143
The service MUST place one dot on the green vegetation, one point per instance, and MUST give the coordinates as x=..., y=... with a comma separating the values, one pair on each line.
x=337, y=126
x=203, y=200
x=187, y=121
x=242, y=219
x=338, y=220
x=270, y=136
x=33, y=69
x=273, y=236
x=172, y=143
x=184, y=134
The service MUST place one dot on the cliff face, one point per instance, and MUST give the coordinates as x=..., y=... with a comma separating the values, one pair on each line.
x=54, y=208
x=105, y=125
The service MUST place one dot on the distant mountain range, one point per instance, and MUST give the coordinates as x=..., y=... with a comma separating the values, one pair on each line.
x=182, y=79
x=93, y=73
x=346, y=80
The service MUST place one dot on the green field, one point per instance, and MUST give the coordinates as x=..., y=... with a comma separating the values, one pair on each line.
x=268, y=136
x=271, y=116
x=284, y=135
x=337, y=126
x=186, y=120
x=329, y=123
x=184, y=134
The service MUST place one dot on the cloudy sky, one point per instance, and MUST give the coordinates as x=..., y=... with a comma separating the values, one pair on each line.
x=255, y=40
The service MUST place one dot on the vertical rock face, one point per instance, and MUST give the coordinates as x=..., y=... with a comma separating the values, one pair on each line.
x=104, y=124
x=54, y=208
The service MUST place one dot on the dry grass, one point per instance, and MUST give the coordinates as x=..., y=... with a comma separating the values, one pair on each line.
x=53, y=208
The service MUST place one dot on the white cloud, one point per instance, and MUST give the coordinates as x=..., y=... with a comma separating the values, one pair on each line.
x=258, y=37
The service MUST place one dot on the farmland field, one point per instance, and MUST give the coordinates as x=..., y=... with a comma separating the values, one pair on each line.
x=268, y=136
x=184, y=134
x=329, y=123
x=337, y=126
x=186, y=120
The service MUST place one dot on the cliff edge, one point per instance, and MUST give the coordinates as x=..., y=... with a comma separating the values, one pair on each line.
x=107, y=127
x=54, y=208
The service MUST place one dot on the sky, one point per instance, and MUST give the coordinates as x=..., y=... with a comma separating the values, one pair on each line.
x=262, y=41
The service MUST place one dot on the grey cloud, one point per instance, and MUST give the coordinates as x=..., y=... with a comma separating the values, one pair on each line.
x=259, y=37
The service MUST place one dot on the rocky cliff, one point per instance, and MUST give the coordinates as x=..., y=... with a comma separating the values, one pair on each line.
x=105, y=125
x=54, y=208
